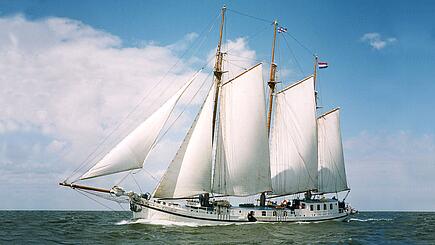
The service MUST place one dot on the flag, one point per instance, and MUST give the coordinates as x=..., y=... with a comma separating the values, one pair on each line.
x=282, y=29
x=323, y=65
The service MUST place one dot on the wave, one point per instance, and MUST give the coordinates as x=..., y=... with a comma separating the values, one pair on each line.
x=367, y=220
x=164, y=223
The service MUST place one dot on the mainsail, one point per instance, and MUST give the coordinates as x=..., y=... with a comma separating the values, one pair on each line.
x=294, y=140
x=242, y=156
x=132, y=151
x=332, y=174
x=190, y=171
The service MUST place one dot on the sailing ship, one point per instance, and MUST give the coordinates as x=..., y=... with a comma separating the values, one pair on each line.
x=237, y=146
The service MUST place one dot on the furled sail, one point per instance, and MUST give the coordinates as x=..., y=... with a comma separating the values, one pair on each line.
x=294, y=140
x=242, y=155
x=190, y=171
x=332, y=174
x=132, y=151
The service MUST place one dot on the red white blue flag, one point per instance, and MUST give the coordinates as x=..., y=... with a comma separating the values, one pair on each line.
x=282, y=29
x=323, y=65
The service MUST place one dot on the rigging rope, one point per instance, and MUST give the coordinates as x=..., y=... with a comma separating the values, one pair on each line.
x=95, y=200
x=303, y=46
x=250, y=16
x=82, y=192
x=132, y=176
x=293, y=54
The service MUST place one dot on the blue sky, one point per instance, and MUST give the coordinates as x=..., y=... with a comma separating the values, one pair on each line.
x=380, y=56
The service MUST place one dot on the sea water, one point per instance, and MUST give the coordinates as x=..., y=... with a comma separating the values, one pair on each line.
x=93, y=227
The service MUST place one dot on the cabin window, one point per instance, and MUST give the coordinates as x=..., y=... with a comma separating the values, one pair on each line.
x=318, y=206
x=240, y=211
x=263, y=213
x=164, y=203
x=330, y=206
x=274, y=213
x=324, y=206
x=285, y=213
x=303, y=205
x=311, y=207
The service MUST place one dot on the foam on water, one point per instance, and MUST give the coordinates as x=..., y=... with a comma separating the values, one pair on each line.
x=162, y=223
x=179, y=223
x=367, y=220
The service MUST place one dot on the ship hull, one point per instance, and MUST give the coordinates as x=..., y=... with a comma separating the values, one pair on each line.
x=158, y=210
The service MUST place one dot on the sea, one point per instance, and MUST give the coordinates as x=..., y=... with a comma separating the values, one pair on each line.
x=104, y=227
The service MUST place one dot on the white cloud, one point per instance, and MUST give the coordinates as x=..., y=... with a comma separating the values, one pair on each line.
x=376, y=41
x=72, y=82
x=65, y=86
x=389, y=171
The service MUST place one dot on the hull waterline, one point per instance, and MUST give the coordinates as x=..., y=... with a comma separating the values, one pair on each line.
x=165, y=211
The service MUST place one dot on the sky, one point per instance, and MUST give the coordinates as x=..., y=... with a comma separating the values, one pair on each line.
x=72, y=71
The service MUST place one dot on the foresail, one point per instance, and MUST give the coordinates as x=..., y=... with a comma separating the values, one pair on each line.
x=190, y=171
x=332, y=174
x=132, y=151
x=242, y=155
x=294, y=140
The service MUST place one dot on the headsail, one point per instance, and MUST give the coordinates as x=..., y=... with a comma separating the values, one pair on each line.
x=242, y=157
x=332, y=174
x=294, y=140
x=190, y=171
x=132, y=151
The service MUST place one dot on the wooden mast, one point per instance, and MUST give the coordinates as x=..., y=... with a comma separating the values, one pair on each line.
x=271, y=85
x=272, y=82
x=316, y=61
x=218, y=71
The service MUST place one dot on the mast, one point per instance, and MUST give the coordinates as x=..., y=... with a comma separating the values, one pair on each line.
x=218, y=70
x=272, y=82
x=316, y=60
x=271, y=85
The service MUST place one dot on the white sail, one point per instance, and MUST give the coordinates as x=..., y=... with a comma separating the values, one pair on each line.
x=242, y=157
x=332, y=174
x=132, y=151
x=190, y=171
x=294, y=140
